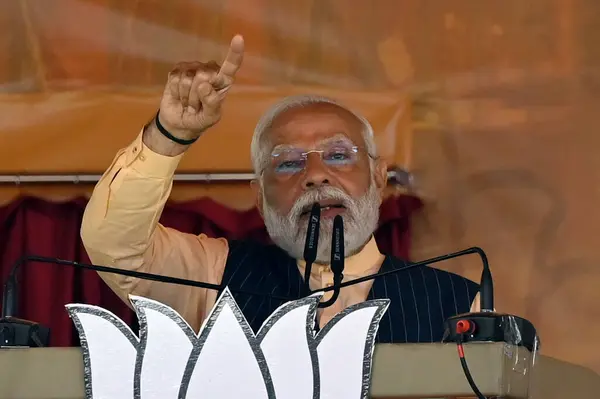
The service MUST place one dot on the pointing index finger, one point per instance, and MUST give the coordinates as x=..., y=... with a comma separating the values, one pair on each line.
x=232, y=63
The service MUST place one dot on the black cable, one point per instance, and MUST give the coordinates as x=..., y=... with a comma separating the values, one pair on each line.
x=336, y=293
x=465, y=367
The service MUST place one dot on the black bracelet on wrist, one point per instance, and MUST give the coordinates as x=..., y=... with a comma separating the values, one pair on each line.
x=168, y=135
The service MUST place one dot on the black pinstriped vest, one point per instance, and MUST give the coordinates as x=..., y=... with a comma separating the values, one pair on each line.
x=422, y=298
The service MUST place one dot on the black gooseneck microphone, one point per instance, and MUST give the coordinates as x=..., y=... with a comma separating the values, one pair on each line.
x=337, y=252
x=486, y=286
x=337, y=260
x=9, y=295
x=311, y=244
x=19, y=332
x=16, y=332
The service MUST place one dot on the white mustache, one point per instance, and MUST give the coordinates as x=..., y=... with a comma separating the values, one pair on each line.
x=321, y=194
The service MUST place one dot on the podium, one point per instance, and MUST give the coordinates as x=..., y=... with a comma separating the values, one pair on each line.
x=399, y=371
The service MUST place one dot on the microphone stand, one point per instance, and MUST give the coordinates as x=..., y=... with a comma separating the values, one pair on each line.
x=19, y=332
x=10, y=306
x=486, y=316
x=312, y=243
x=426, y=262
x=16, y=332
x=9, y=303
x=337, y=260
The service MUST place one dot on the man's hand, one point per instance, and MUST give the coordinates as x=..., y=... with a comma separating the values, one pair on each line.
x=192, y=99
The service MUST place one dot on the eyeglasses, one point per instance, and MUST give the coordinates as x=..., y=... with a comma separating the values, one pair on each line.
x=290, y=160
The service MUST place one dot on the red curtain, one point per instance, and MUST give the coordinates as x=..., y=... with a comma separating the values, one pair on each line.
x=33, y=226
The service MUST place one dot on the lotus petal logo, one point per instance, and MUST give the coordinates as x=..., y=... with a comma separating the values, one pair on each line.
x=285, y=359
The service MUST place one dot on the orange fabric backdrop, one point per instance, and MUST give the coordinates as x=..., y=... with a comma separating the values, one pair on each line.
x=493, y=105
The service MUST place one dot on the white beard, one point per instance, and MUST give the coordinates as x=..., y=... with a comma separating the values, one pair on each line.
x=361, y=218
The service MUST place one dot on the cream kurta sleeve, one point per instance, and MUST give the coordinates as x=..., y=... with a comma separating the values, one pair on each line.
x=120, y=228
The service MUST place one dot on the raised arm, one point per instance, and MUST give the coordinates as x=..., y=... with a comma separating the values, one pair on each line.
x=120, y=225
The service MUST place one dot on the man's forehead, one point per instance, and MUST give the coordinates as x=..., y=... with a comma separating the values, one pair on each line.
x=319, y=122
x=322, y=108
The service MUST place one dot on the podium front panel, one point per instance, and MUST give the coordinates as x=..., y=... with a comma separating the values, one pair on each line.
x=41, y=373
x=399, y=371
x=414, y=370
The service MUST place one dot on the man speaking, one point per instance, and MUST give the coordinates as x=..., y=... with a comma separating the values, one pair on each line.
x=305, y=150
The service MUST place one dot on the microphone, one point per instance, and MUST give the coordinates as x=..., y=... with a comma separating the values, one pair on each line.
x=483, y=326
x=486, y=325
x=312, y=243
x=16, y=332
x=9, y=296
x=337, y=259
x=486, y=287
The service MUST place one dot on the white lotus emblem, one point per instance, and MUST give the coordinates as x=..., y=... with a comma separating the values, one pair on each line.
x=286, y=359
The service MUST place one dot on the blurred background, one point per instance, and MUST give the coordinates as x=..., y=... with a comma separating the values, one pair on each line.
x=485, y=110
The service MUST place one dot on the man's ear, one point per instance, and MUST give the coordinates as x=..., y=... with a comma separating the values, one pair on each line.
x=256, y=187
x=380, y=175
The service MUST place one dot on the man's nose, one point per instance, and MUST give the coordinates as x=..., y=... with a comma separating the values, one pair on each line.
x=316, y=173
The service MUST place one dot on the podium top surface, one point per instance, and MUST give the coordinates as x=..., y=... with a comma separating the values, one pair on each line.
x=399, y=371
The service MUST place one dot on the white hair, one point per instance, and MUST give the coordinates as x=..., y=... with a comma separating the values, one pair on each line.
x=258, y=148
